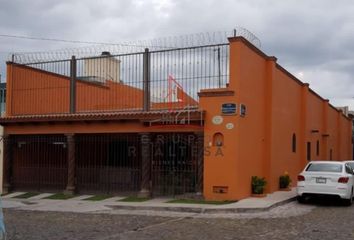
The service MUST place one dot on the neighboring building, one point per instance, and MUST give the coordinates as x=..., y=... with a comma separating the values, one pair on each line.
x=345, y=110
x=102, y=68
x=216, y=122
x=2, y=98
x=351, y=115
x=2, y=112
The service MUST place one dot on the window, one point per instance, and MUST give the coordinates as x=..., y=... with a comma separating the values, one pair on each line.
x=351, y=164
x=308, y=151
x=2, y=95
x=348, y=169
x=324, y=167
x=293, y=145
x=318, y=148
x=330, y=154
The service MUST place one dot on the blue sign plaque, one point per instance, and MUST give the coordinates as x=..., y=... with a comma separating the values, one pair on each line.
x=229, y=108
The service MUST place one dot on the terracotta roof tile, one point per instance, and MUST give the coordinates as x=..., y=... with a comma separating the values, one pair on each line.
x=194, y=114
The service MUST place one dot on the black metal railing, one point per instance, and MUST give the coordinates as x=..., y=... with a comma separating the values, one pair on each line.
x=150, y=80
x=175, y=164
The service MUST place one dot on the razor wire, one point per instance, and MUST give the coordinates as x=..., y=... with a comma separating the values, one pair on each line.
x=172, y=42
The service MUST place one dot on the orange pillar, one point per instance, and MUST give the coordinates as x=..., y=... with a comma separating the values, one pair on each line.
x=324, y=136
x=339, y=135
x=268, y=126
x=302, y=143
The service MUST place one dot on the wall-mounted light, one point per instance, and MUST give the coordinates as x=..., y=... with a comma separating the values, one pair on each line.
x=19, y=144
x=60, y=143
x=242, y=110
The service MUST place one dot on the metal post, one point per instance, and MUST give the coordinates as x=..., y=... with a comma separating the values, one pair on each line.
x=145, y=141
x=219, y=67
x=200, y=161
x=73, y=85
x=146, y=80
x=7, y=155
x=70, y=188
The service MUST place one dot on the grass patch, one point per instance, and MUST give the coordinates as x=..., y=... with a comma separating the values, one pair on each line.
x=134, y=199
x=60, y=196
x=27, y=195
x=98, y=197
x=195, y=201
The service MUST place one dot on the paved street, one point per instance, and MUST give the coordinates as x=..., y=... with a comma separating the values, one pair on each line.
x=319, y=220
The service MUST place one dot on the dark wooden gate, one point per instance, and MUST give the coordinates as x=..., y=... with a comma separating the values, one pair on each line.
x=176, y=166
x=108, y=163
x=39, y=162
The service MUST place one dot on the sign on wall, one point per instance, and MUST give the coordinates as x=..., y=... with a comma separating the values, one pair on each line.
x=229, y=126
x=229, y=109
x=217, y=120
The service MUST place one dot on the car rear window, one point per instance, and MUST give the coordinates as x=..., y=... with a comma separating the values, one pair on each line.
x=324, y=167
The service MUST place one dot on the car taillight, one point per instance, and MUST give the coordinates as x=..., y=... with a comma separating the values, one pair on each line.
x=343, y=179
x=300, y=178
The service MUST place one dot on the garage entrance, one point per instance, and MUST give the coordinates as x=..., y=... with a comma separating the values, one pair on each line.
x=107, y=163
x=39, y=162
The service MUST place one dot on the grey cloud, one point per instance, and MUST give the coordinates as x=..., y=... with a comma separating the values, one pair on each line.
x=314, y=37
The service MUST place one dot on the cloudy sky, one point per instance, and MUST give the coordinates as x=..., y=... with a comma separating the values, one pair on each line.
x=313, y=39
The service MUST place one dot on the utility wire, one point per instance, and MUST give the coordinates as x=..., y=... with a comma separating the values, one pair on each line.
x=68, y=41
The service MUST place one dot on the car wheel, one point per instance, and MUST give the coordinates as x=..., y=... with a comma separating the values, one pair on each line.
x=300, y=199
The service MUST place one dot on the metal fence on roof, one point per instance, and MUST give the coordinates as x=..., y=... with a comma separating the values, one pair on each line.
x=168, y=79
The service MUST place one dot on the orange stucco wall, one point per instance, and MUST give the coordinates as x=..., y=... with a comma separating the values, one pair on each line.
x=34, y=91
x=285, y=113
x=278, y=106
x=30, y=91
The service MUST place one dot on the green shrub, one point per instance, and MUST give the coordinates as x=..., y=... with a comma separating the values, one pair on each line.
x=258, y=184
x=284, y=180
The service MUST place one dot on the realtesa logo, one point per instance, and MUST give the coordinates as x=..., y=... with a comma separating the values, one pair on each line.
x=174, y=94
x=174, y=101
x=183, y=147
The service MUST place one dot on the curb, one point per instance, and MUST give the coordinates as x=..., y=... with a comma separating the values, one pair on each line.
x=201, y=209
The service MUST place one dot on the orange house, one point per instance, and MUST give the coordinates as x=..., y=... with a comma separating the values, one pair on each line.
x=207, y=131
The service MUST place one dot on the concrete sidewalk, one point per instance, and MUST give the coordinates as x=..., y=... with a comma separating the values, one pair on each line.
x=77, y=204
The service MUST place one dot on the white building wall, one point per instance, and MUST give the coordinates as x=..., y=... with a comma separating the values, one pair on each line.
x=102, y=69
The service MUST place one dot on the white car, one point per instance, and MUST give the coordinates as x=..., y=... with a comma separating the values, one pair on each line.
x=321, y=178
